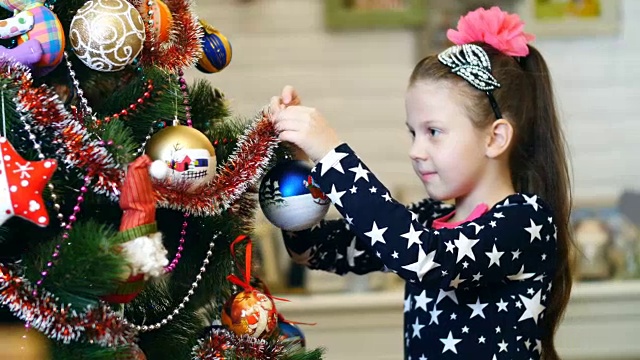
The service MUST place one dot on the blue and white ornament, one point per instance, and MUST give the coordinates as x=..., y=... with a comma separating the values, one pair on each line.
x=291, y=333
x=289, y=199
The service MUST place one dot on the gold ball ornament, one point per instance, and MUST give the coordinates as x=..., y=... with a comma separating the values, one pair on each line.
x=187, y=154
x=250, y=312
x=107, y=35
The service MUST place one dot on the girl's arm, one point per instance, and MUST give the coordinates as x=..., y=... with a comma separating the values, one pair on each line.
x=513, y=241
x=333, y=246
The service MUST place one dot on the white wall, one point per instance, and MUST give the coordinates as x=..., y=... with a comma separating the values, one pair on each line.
x=357, y=80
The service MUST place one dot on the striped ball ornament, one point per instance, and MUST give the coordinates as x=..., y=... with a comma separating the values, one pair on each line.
x=216, y=50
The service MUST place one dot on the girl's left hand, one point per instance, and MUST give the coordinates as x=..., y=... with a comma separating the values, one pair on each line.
x=308, y=129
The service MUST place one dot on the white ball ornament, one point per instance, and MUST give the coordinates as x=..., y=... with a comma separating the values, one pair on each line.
x=290, y=199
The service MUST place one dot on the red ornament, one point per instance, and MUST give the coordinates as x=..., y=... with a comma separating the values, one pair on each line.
x=250, y=312
x=21, y=185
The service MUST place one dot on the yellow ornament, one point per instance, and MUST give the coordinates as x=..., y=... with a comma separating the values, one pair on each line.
x=182, y=154
x=107, y=35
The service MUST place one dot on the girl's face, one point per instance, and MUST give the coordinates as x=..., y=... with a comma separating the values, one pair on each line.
x=447, y=151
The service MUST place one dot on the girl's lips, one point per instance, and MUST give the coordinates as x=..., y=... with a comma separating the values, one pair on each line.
x=426, y=176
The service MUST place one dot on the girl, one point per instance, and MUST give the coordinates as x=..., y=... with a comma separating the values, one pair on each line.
x=486, y=280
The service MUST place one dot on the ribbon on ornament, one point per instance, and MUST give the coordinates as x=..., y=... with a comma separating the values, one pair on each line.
x=246, y=274
x=246, y=283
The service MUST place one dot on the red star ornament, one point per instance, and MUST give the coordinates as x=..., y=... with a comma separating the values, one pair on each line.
x=21, y=185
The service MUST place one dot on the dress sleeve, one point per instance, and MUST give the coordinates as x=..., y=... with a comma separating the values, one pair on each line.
x=333, y=246
x=515, y=240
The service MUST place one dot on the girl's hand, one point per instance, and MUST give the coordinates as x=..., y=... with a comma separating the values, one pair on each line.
x=289, y=97
x=306, y=128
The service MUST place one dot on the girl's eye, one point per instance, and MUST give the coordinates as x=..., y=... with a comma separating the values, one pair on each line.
x=434, y=132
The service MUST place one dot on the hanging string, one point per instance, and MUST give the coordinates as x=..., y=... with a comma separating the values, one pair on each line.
x=4, y=119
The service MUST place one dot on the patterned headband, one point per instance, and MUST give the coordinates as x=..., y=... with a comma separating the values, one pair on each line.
x=472, y=63
x=494, y=27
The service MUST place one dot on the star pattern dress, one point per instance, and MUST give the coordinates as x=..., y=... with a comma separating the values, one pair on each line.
x=475, y=291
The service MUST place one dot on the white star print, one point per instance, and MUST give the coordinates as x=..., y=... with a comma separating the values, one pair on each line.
x=413, y=236
x=395, y=254
x=453, y=316
x=521, y=275
x=538, y=346
x=527, y=344
x=533, y=307
x=456, y=282
x=498, y=330
x=434, y=316
x=361, y=173
x=450, y=294
x=477, y=276
x=416, y=328
x=498, y=215
x=373, y=189
x=493, y=224
x=422, y=357
x=494, y=256
x=481, y=340
x=424, y=264
x=534, y=230
x=335, y=196
x=503, y=346
x=477, y=309
x=332, y=161
x=422, y=300
x=353, y=253
x=354, y=189
x=465, y=246
x=478, y=227
x=376, y=234
x=450, y=343
x=533, y=201
x=516, y=254
x=450, y=247
x=407, y=304
x=349, y=219
x=387, y=197
x=502, y=305
x=465, y=330
x=414, y=216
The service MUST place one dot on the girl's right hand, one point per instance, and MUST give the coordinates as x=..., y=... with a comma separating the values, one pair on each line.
x=289, y=97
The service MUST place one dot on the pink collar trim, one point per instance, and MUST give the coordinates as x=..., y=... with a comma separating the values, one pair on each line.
x=441, y=222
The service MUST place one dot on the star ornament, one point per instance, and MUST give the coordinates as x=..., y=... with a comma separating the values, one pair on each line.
x=21, y=185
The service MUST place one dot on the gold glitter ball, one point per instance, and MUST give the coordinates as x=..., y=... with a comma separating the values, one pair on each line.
x=107, y=35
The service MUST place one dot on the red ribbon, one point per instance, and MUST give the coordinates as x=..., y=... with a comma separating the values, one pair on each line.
x=246, y=283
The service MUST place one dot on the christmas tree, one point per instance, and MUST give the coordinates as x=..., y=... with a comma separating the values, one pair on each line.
x=126, y=194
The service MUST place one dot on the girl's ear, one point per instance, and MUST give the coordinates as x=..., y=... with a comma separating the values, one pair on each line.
x=500, y=137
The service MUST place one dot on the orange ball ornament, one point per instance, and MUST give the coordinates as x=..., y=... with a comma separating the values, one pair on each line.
x=250, y=312
x=158, y=18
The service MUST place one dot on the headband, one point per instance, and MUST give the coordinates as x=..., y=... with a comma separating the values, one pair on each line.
x=494, y=27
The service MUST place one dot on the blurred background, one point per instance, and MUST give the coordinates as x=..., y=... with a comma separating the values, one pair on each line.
x=352, y=58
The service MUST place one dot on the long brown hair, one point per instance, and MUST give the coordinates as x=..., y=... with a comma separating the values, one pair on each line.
x=537, y=158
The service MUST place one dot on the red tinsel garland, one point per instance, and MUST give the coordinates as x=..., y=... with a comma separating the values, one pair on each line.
x=42, y=109
x=184, y=47
x=59, y=322
x=220, y=340
x=244, y=167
